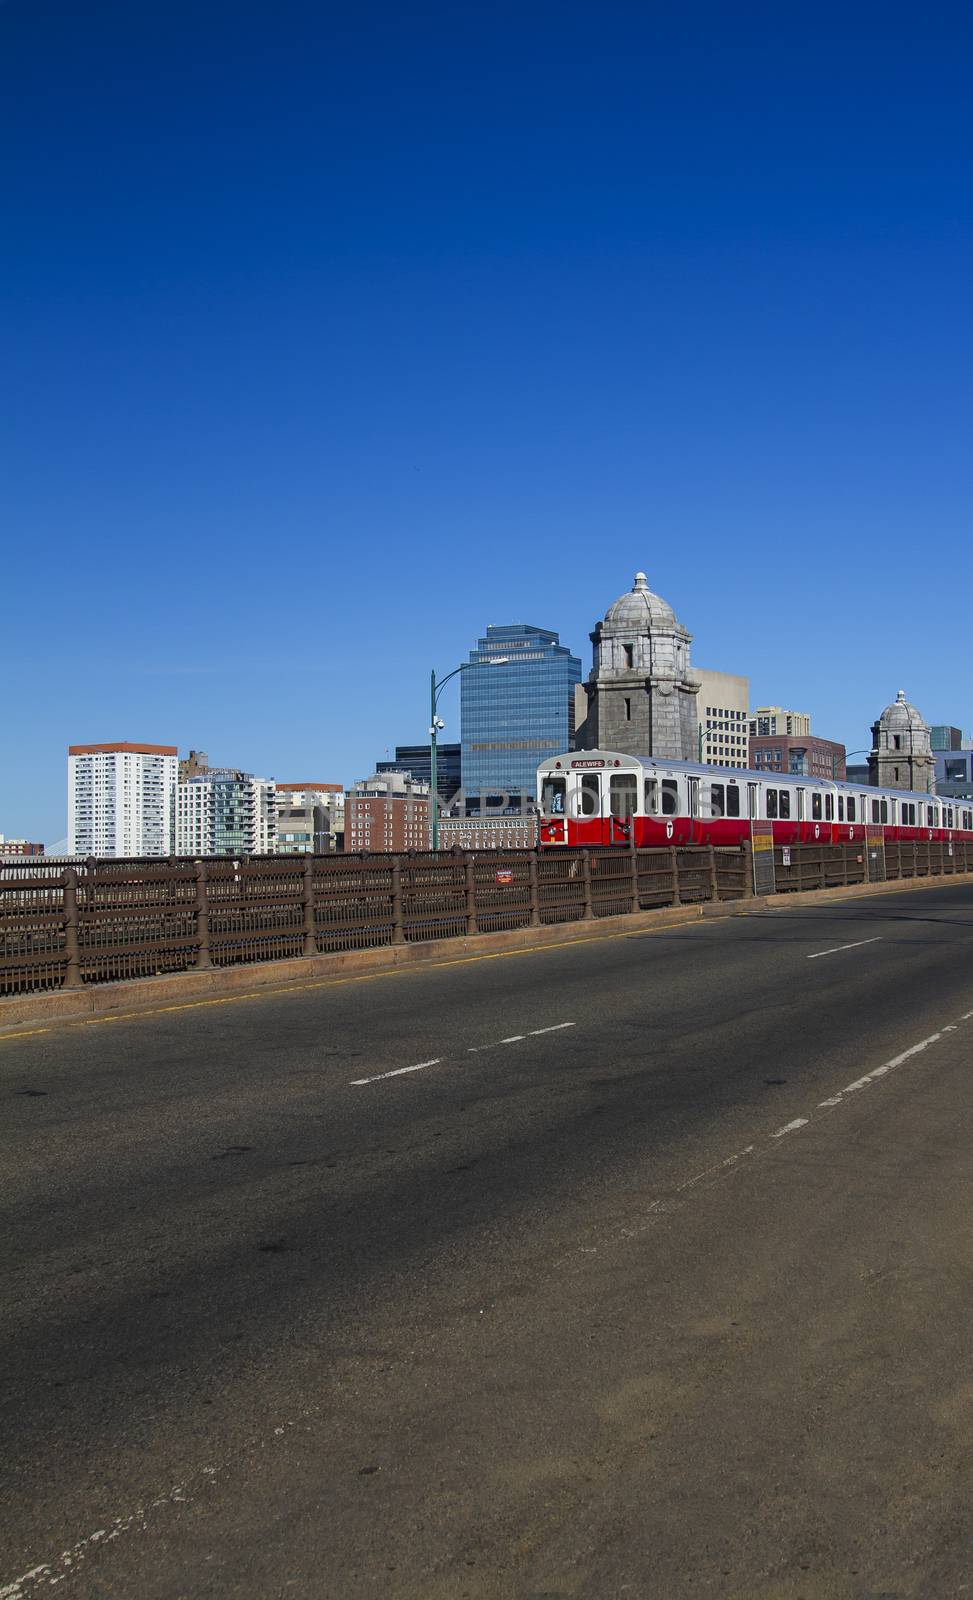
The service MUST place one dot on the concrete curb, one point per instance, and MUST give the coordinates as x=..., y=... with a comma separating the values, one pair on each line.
x=180, y=987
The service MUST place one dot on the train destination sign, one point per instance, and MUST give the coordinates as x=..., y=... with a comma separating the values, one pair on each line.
x=587, y=763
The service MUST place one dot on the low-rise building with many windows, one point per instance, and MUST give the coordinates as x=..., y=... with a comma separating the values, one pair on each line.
x=806, y=756
x=387, y=812
x=505, y=832
x=19, y=847
x=224, y=812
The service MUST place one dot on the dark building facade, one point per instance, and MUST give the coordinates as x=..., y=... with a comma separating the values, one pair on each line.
x=415, y=760
x=954, y=773
x=805, y=755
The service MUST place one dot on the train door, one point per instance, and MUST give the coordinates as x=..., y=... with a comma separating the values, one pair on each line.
x=588, y=805
x=623, y=795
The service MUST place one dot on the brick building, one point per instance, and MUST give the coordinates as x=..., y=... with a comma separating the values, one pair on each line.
x=387, y=812
x=19, y=847
x=804, y=755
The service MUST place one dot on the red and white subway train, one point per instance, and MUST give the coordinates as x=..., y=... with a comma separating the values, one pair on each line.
x=598, y=797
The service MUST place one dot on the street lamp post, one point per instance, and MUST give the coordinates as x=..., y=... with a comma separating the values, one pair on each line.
x=435, y=723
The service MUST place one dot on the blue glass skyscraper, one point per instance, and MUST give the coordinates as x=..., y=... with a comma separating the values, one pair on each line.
x=516, y=708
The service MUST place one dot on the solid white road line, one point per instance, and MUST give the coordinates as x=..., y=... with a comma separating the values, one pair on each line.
x=838, y=947
x=514, y=1038
x=557, y=1026
x=357, y=1082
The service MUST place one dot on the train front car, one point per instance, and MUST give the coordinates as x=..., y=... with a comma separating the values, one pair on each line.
x=603, y=797
x=589, y=797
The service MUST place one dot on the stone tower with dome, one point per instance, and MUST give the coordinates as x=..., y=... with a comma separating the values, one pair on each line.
x=901, y=755
x=641, y=692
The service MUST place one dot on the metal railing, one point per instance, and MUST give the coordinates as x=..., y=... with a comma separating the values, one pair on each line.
x=105, y=921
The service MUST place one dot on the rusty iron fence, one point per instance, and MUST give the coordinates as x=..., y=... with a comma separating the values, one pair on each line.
x=104, y=921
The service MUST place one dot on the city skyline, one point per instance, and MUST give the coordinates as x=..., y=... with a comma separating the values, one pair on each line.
x=338, y=772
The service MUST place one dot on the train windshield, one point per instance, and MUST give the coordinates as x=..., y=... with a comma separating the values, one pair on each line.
x=553, y=791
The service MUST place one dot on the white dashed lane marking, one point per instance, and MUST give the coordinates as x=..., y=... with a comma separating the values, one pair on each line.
x=399, y=1071
x=790, y=1127
x=839, y=947
x=513, y=1038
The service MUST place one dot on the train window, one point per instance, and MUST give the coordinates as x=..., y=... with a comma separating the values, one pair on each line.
x=851, y=808
x=829, y=808
x=623, y=793
x=772, y=804
x=885, y=811
x=968, y=820
x=590, y=794
x=670, y=797
x=717, y=800
x=732, y=800
x=816, y=808
x=841, y=808
x=553, y=791
x=785, y=803
x=876, y=812
x=652, y=797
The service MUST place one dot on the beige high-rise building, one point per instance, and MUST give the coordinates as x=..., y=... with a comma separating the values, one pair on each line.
x=773, y=722
x=723, y=719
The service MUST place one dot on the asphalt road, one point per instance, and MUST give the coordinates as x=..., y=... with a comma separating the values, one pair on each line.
x=654, y=1279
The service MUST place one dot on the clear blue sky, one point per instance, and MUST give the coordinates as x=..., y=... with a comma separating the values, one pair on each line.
x=334, y=333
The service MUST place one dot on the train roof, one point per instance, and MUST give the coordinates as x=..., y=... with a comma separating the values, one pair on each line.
x=571, y=759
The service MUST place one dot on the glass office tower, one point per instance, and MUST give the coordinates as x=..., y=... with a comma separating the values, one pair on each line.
x=516, y=708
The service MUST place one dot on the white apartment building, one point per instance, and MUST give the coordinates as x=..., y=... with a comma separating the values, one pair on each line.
x=120, y=799
x=723, y=716
x=223, y=812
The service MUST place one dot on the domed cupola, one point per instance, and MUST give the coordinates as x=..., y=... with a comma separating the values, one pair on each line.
x=901, y=756
x=641, y=692
x=639, y=609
